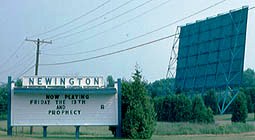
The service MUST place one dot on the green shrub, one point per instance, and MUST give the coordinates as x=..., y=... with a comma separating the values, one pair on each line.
x=182, y=108
x=158, y=106
x=249, y=103
x=176, y=108
x=200, y=114
x=209, y=116
x=249, y=93
x=167, y=109
x=210, y=100
x=239, y=106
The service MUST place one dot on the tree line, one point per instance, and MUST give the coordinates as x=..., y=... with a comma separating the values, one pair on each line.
x=167, y=101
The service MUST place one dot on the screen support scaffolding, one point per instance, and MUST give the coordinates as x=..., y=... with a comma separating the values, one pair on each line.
x=173, y=55
x=226, y=98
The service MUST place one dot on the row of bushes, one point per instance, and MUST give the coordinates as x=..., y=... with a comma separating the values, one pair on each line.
x=179, y=108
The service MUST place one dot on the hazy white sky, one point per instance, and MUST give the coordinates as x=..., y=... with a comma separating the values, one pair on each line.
x=21, y=19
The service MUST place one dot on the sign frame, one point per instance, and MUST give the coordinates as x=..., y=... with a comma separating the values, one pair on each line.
x=12, y=90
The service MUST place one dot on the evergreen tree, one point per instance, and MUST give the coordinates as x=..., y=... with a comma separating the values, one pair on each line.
x=18, y=83
x=239, y=107
x=139, y=115
x=201, y=114
x=110, y=81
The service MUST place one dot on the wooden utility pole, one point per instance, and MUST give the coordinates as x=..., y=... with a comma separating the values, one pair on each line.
x=38, y=43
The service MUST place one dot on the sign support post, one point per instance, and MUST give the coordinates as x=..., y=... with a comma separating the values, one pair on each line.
x=118, y=130
x=77, y=132
x=9, y=127
x=45, y=131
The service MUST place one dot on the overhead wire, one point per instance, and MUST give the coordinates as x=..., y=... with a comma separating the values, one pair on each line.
x=31, y=65
x=24, y=59
x=128, y=12
x=145, y=34
x=71, y=21
x=110, y=29
x=111, y=53
x=13, y=54
x=15, y=67
x=122, y=50
x=18, y=69
x=115, y=52
x=29, y=68
x=92, y=20
x=252, y=8
x=55, y=37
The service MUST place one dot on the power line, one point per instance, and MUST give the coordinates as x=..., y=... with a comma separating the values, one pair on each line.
x=29, y=68
x=14, y=53
x=111, y=53
x=145, y=34
x=99, y=24
x=110, y=29
x=71, y=21
x=252, y=8
x=25, y=71
x=92, y=20
x=25, y=58
x=19, y=66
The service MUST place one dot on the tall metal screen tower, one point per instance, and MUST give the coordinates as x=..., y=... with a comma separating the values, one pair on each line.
x=211, y=53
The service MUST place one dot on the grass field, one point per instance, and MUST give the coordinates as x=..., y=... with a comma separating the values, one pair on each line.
x=227, y=117
x=164, y=131
x=243, y=136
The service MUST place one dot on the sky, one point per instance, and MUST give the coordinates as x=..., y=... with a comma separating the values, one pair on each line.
x=101, y=23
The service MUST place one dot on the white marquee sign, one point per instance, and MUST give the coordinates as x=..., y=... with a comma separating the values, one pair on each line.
x=64, y=109
x=34, y=105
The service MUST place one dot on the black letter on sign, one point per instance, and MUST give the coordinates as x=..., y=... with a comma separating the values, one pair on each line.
x=87, y=81
x=102, y=106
